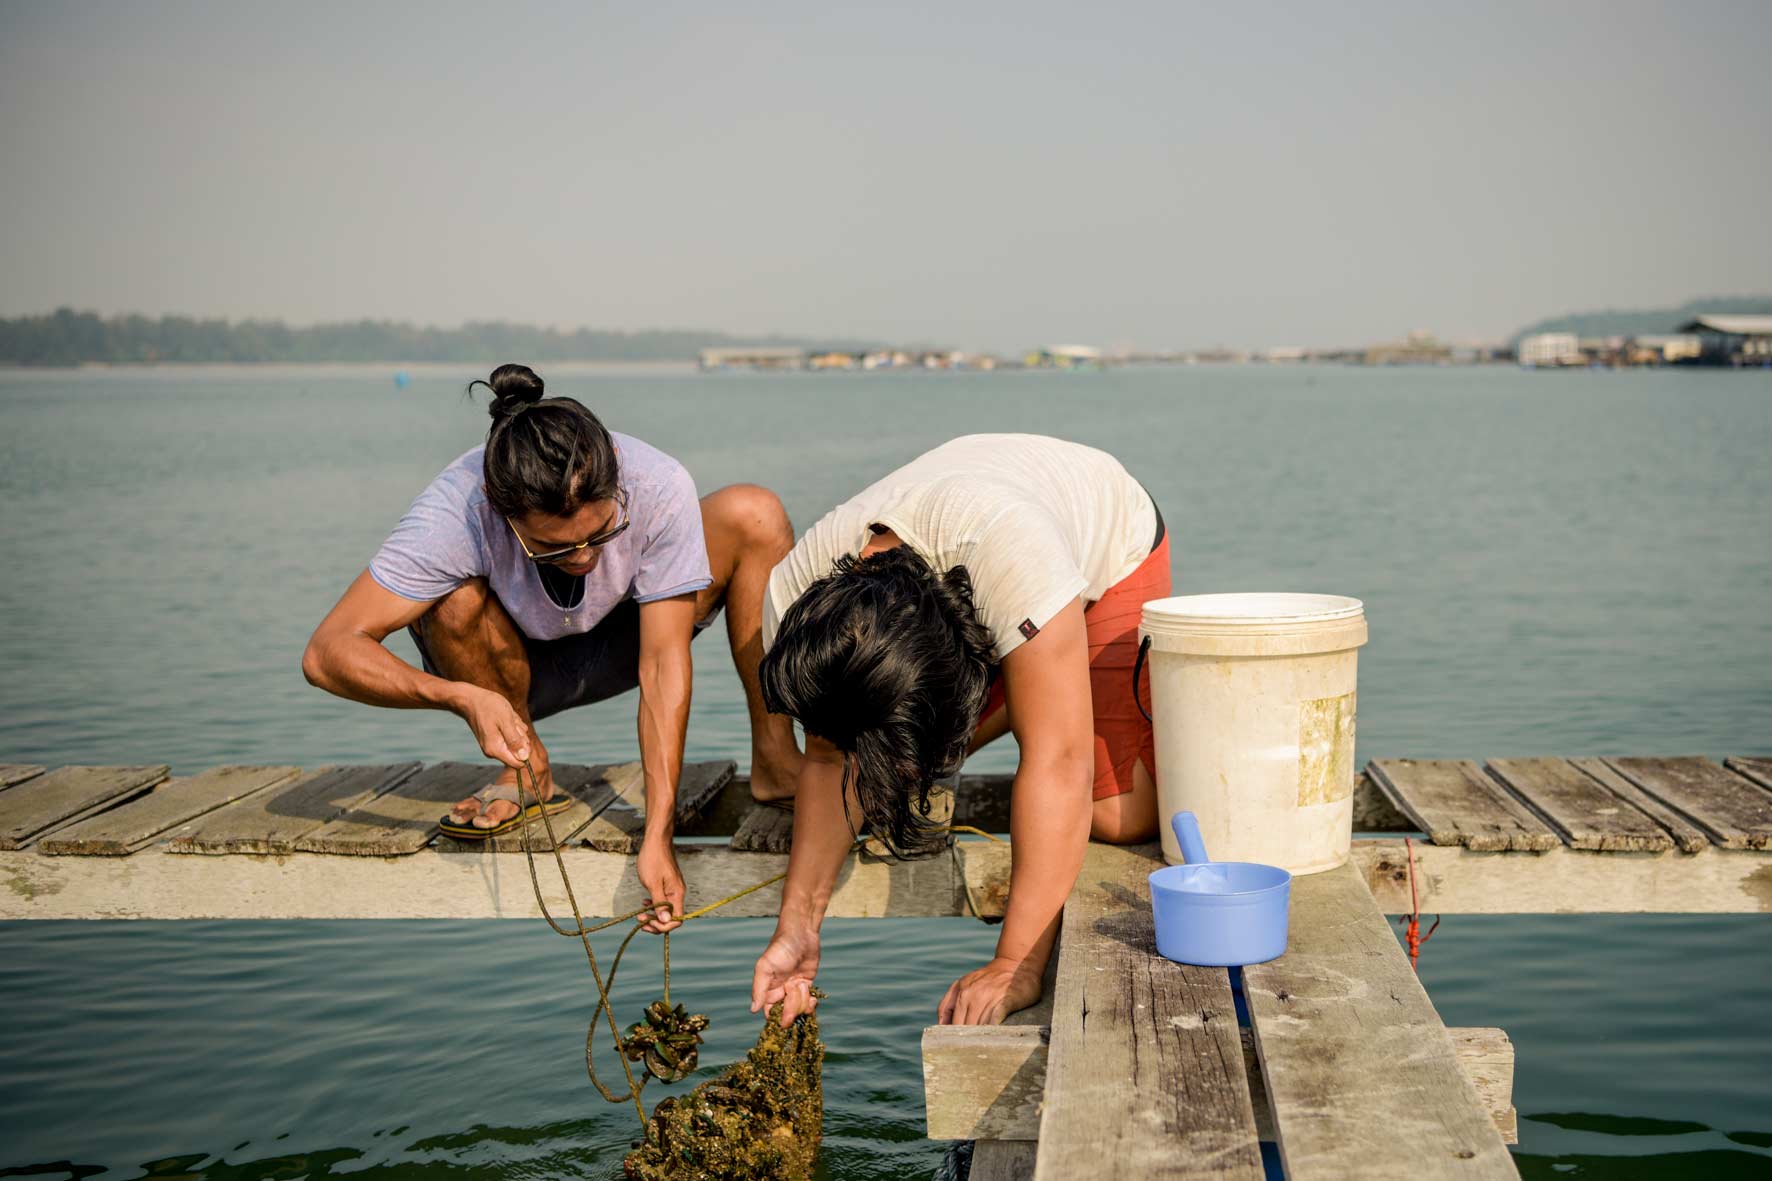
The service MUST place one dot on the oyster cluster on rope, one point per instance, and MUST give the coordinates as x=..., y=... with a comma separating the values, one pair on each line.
x=761, y=1120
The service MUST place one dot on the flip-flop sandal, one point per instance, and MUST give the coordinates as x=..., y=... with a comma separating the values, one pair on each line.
x=507, y=792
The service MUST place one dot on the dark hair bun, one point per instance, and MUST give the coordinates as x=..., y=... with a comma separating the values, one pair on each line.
x=513, y=387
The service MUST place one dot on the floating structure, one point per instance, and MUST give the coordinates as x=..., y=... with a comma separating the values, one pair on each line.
x=1333, y=1052
x=1418, y=348
x=1551, y=350
x=753, y=357
x=1732, y=340
x=1065, y=356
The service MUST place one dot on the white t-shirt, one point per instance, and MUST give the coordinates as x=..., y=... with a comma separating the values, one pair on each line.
x=1036, y=521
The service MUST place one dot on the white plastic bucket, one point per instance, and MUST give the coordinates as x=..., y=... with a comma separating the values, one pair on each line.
x=1253, y=701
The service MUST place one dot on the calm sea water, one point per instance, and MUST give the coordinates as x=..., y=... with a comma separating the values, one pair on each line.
x=1552, y=563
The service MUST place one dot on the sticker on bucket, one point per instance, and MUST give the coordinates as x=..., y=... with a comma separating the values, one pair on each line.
x=1325, y=749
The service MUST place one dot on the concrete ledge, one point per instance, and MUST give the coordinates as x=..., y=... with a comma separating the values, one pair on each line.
x=1456, y=880
x=433, y=885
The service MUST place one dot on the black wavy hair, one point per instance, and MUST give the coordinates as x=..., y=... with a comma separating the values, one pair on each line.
x=885, y=659
x=546, y=455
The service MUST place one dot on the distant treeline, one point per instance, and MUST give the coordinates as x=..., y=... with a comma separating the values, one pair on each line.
x=66, y=337
x=1648, y=321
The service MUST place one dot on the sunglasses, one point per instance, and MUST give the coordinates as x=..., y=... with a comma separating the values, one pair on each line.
x=554, y=557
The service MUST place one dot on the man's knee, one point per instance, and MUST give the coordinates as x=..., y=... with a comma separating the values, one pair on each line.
x=749, y=514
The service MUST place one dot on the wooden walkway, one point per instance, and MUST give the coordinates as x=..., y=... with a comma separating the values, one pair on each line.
x=1541, y=835
x=1340, y=1060
x=1133, y=1066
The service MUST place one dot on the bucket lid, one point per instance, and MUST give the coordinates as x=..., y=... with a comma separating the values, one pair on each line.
x=1253, y=608
x=1254, y=623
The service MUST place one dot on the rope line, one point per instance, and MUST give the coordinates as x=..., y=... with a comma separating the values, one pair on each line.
x=606, y=984
x=1412, y=935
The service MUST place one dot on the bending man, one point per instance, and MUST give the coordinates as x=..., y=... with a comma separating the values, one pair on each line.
x=992, y=585
x=559, y=565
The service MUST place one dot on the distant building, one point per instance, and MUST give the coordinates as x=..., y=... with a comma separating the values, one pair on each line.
x=1065, y=356
x=1284, y=355
x=753, y=358
x=1732, y=340
x=1550, y=350
x=1662, y=349
x=1420, y=348
x=832, y=361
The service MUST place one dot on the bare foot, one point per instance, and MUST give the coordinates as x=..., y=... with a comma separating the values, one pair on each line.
x=774, y=777
x=499, y=811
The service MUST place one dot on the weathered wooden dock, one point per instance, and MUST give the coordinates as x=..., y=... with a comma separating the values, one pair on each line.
x=1132, y=1066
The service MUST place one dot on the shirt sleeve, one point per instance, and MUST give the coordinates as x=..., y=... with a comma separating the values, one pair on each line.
x=1023, y=574
x=674, y=555
x=434, y=549
x=811, y=558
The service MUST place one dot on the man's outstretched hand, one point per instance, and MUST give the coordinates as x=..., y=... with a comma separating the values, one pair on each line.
x=784, y=973
x=657, y=867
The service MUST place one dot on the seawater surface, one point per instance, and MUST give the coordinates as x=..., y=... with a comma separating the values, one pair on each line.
x=1552, y=564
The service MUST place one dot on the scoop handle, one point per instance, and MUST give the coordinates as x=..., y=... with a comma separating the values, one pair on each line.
x=1187, y=834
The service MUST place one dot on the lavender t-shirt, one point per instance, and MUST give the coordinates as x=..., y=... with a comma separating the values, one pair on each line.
x=450, y=534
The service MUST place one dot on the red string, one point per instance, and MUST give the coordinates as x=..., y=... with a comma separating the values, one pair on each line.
x=1413, y=936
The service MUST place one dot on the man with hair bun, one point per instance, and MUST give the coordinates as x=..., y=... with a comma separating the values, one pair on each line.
x=558, y=565
x=991, y=585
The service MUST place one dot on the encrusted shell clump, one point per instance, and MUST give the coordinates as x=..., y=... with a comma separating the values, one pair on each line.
x=668, y=1041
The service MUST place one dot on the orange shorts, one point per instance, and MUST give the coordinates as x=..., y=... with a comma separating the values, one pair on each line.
x=1122, y=735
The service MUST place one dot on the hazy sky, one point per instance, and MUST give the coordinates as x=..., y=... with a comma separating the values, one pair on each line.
x=996, y=176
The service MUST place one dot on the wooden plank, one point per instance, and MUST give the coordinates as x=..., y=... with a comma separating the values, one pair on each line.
x=765, y=830
x=1454, y=880
x=1144, y=1069
x=11, y=773
x=431, y=884
x=1454, y=803
x=1735, y=813
x=590, y=792
x=1361, y=1072
x=1487, y=1058
x=723, y=813
x=402, y=819
x=39, y=806
x=984, y=1082
x=982, y=801
x=619, y=827
x=1003, y=1160
x=1583, y=812
x=699, y=786
x=272, y=821
x=1375, y=813
x=984, y=875
x=1758, y=770
x=962, y=1099
x=1686, y=835
x=975, y=1079
x=125, y=829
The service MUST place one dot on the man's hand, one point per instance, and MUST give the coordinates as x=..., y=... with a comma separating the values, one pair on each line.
x=498, y=728
x=664, y=885
x=990, y=994
x=784, y=973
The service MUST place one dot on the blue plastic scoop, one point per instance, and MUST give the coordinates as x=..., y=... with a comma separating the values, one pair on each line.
x=1218, y=913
